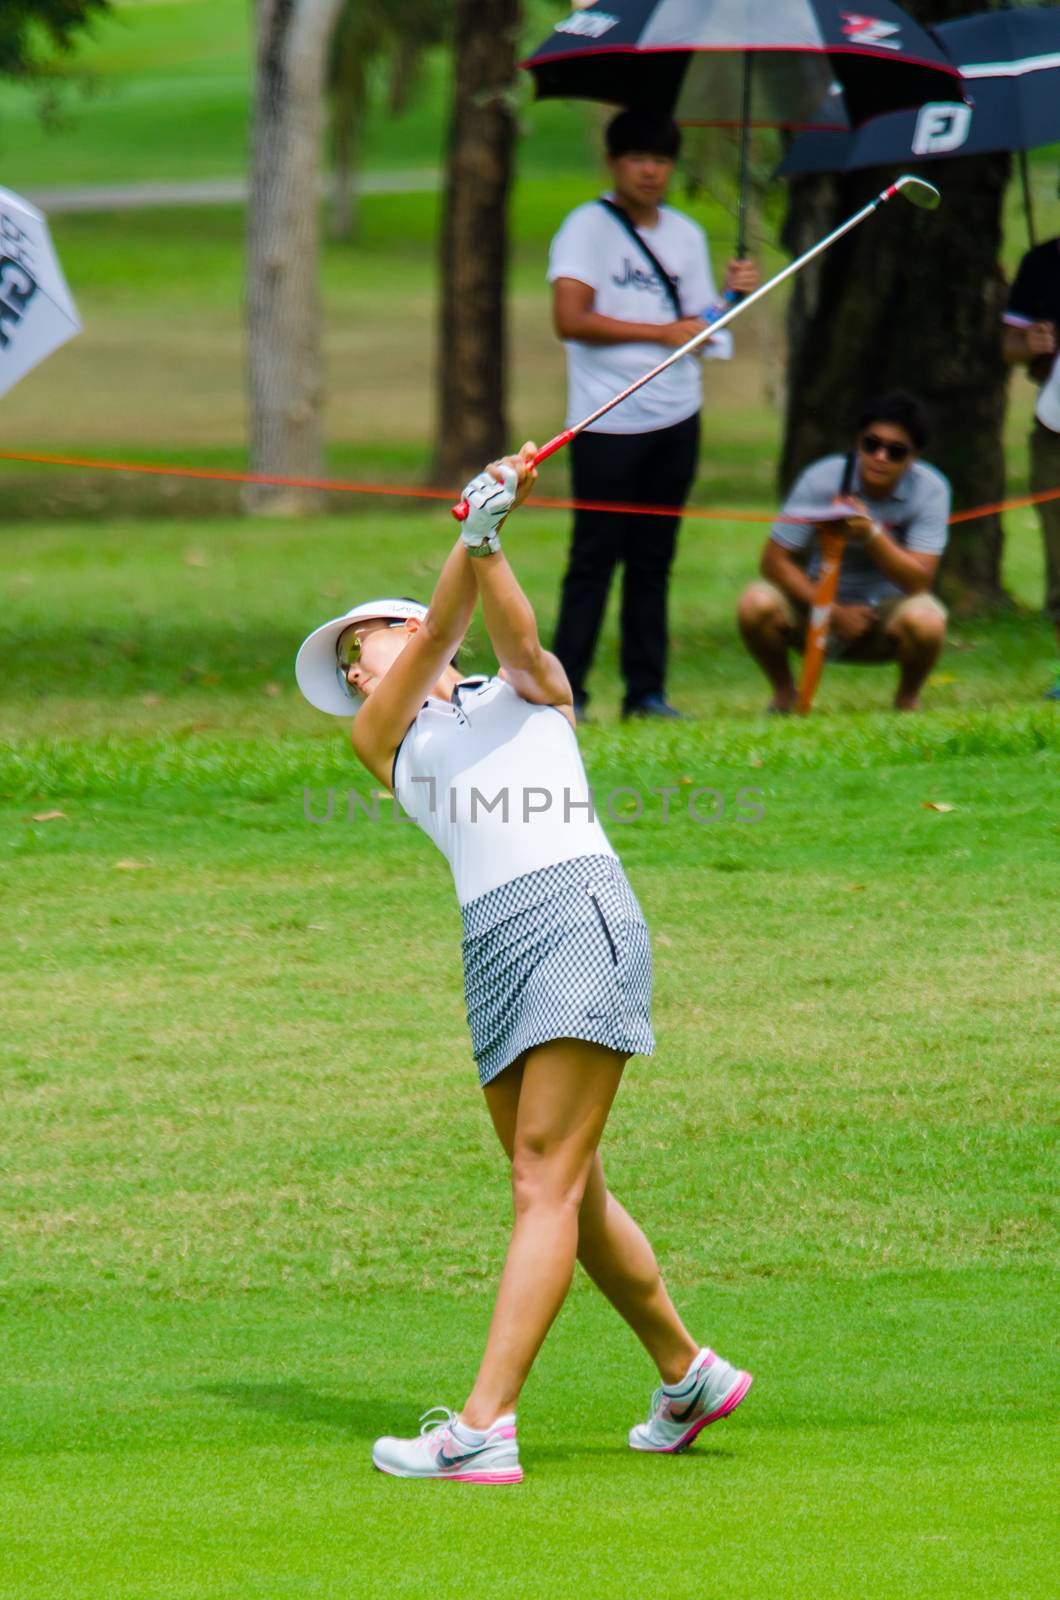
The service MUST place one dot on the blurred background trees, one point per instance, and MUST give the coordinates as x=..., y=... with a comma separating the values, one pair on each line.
x=914, y=300
x=33, y=32
x=300, y=47
x=375, y=65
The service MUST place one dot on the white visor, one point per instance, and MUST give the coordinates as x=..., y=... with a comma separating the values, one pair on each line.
x=317, y=666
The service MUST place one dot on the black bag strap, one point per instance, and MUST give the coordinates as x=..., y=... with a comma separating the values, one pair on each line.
x=668, y=283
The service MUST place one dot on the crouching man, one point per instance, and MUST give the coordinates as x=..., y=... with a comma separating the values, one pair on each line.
x=885, y=610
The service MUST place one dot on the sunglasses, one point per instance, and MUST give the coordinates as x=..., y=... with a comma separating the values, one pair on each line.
x=872, y=444
x=348, y=651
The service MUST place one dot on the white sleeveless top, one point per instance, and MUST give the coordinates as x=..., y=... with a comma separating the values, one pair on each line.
x=499, y=785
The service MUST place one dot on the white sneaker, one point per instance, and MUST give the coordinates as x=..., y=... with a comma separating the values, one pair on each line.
x=710, y=1389
x=444, y=1448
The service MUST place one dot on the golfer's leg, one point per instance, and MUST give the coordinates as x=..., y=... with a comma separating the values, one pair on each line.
x=765, y=623
x=566, y=1094
x=597, y=470
x=620, y=1261
x=502, y=1103
x=611, y=1248
x=667, y=467
x=919, y=627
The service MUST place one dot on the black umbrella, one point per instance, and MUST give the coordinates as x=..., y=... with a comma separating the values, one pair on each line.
x=744, y=63
x=1010, y=65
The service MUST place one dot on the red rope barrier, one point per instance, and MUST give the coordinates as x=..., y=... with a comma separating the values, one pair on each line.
x=342, y=486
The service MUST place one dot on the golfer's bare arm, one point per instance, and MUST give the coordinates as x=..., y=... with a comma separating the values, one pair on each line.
x=574, y=318
x=385, y=717
x=533, y=672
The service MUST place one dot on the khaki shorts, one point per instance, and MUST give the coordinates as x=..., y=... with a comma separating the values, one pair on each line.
x=878, y=643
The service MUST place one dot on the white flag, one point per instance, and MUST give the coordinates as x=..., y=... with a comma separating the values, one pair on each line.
x=37, y=312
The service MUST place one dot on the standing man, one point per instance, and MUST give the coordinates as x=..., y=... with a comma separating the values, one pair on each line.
x=1031, y=323
x=631, y=281
x=885, y=610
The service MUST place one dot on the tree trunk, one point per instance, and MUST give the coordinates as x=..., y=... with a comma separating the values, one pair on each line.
x=348, y=112
x=910, y=300
x=283, y=241
x=404, y=76
x=472, y=422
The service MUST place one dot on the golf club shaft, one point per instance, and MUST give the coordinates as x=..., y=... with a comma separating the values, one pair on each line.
x=460, y=511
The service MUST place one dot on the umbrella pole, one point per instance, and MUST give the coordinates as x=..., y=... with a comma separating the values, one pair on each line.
x=1025, y=178
x=1028, y=198
x=745, y=142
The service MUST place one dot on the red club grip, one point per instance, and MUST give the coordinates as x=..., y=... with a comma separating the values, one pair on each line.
x=461, y=510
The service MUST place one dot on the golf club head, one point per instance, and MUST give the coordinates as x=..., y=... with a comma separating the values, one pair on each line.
x=919, y=192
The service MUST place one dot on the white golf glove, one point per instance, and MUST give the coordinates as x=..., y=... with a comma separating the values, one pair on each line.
x=489, y=503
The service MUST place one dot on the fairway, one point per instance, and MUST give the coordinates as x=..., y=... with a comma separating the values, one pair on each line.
x=252, y=1211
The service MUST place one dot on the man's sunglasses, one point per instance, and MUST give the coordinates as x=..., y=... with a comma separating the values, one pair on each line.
x=872, y=444
x=348, y=651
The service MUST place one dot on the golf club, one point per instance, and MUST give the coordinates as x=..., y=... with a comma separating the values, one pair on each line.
x=916, y=190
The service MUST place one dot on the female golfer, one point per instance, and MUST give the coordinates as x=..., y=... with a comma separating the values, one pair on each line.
x=557, y=968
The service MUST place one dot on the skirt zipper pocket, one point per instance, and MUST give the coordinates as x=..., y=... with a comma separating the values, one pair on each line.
x=603, y=923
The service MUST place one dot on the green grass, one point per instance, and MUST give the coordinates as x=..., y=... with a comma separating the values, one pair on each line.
x=233, y=1461
x=252, y=1212
x=205, y=618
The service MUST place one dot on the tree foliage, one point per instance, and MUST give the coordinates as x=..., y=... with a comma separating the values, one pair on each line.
x=34, y=32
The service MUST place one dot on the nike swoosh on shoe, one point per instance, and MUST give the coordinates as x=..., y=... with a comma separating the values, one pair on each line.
x=683, y=1416
x=445, y=1462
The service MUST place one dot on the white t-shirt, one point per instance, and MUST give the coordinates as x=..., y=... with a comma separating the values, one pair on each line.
x=498, y=783
x=1048, y=408
x=594, y=247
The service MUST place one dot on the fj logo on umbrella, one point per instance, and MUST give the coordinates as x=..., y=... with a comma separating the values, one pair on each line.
x=941, y=128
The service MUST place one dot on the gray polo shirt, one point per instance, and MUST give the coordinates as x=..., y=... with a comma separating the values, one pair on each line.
x=916, y=516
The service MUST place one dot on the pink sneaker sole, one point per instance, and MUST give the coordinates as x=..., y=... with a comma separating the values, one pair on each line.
x=731, y=1401
x=510, y=1475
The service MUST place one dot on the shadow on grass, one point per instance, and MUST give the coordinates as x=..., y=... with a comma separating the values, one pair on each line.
x=370, y=1418
x=294, y=1402
x=704, y=1454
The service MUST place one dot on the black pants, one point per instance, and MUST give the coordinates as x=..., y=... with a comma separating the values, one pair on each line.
x=638, y=469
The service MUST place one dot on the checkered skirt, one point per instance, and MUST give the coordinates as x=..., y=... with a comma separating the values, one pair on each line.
x=560, y=953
